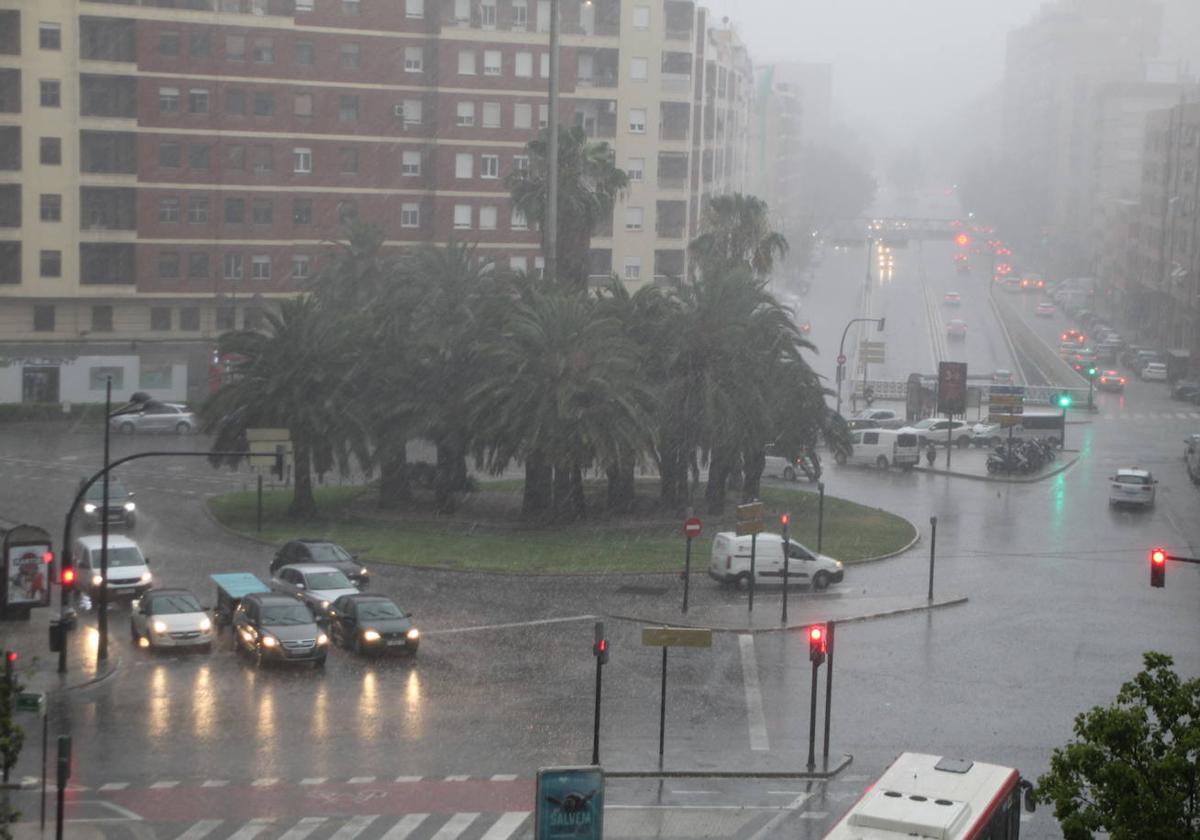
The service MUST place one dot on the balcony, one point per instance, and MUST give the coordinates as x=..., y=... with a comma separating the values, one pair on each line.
x=676, y=83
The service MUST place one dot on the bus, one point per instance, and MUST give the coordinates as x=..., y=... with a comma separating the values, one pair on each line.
x=1034, y=423
x=923, y=795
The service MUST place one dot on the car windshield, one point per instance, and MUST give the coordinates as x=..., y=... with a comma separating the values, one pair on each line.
x=122, y=556
x=1133, y=479
x=328, y=553
x=286, y=614
x=115, y=490
x=327, y=580
x=380, y=609
x=174, y=604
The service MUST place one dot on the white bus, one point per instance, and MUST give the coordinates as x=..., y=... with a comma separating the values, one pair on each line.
x=947, y=798
x=1034, y=423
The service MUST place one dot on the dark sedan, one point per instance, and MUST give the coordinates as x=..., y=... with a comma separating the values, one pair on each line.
x=326, y=553
x=372, y=624
x=278, y=628
x=1185, y=390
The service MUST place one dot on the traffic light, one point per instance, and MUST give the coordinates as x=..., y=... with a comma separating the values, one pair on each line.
x=784, y=519
x=1064, y=400
x=600, y=646
x=1158, y=567
x=1091, y=372
x=816, y=643
x=10, y=662
x=962, y=240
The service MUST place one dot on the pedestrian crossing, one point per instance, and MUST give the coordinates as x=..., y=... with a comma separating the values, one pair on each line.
x=1151, y=416
x=463, y=825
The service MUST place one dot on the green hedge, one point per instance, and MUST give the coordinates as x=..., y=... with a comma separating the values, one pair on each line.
x=16, y=412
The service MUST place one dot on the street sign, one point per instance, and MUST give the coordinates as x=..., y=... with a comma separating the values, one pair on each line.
x=262, y=442
x=677, y=637
x=750, y=519
x=691, y=528
x=952, y=387
x=841, y=359
x=30, y=701
x=1006, y=404
x=569, y=804
x=871, y=352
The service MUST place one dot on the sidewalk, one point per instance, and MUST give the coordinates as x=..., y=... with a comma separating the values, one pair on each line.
x=972, y=463
x=37, y=667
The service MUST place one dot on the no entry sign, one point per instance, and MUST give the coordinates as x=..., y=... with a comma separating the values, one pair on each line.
x=691, y=528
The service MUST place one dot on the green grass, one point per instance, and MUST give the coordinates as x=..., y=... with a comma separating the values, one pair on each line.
x=852, y=532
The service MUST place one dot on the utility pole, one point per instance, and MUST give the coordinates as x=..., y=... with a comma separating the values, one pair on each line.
x=550, y=228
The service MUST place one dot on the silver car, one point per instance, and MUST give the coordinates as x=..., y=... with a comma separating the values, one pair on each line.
x=314, y=584
x=156, y=417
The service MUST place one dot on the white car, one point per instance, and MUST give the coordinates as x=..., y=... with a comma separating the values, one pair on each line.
x=165, y=618
x=1132, y=486
x=314, y=584
x=934, y=430
x=1156, y=371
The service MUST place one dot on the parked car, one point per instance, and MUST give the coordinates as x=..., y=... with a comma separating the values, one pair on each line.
x=882, y=448
x=313, y=583
x=307, y=550
x=1045, y=309
x=121, y=511
x=887, y=418
x=730, y=562
x=128, y=569
x=1154, y=371
x=956, y=328
x=1186, y=390
x=156, y=416
x=170, y=618
x=778, y=465
x=273, y=627
x=1132, y=486
x=1110, y=380
x=934, y=430
x=1190, y=441
x=372, y=624
x=1000, y=376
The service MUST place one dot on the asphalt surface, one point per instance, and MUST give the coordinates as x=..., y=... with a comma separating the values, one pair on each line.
x=1060, y=611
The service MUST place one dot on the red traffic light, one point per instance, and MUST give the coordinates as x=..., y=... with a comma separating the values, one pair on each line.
x=1158, y=556
x=784, y=519
x=1158, y=567
x=11, y=655
x=48, y=557
x=816, y=633
x=816, y=643
x=962, y=240
x=68, y=577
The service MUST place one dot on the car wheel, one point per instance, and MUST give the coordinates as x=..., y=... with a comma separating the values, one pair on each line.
x=133, y=634
x=742, y=582
x=882, y=462
x=182, y=428
x=840, y=458
x=258, y=656
x=789, y=474
x=127, y=428
x=820, y=581
x=357, y=646
x=319, y=664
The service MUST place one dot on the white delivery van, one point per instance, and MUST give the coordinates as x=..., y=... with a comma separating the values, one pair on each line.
x=883, y=448
x=730, y=562
x=128, y=570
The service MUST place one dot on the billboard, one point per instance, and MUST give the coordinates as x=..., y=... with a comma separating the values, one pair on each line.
x=952, y=388
x=28, y=560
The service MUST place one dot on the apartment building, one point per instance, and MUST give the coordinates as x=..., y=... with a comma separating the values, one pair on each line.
x=168, y=169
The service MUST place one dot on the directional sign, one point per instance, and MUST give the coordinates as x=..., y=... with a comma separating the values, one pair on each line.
x=691, y=528
x=30, y=701
x=263, y=443
x=871, y=352
x=750, y=518
x=698, y=637
x=570, y=804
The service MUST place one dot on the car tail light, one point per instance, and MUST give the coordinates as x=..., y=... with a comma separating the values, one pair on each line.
x=1122, y=380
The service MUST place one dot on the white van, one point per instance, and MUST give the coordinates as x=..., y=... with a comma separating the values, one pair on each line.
x=883, y=448
x=128, y=570
x=730, y=562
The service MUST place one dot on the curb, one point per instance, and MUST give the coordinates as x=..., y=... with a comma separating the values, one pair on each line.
x=212, y=517
x=911, y=544
x=1062, y=467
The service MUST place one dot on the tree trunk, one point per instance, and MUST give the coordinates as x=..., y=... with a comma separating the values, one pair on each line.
x=304, y=504
x=577, y=501
x=621, y=485
x=754, y=464
x=537, y=493
x=562, y=492
x=450, y=479
x=718, y=475
x=394, y=486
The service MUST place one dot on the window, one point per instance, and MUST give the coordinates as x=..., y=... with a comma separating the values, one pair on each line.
x=305, y=54
x=168, y=265
x=49, y=36
x=487, y=217
x=260, y=267
x=518, y=264
x=50, y=151
x=348, y=108
x=160, y=318
x=462, y=12
x=466, y=62
x=462, y=216
x=197, y=210
x=464, y=165
x=633, y=218
x=638, y=67
x=235, y=47
x=465, y=113
x=633, y=268
x=197, y=265
x=51, y=263
x=168, y=100
x=302, y=161
x=351, y=8
x=543, y=115
x=170, y=154
x=50, y=209
x=262, y=211
x=489, y=166
x=199, y=44
x=264, y=103
x=301, y=266
x=544, y=65
x=235, y=211
x=414, y=8
x=302, y=211
x=523, y=65
x=189, y=318
x=264, y=51
x=414, y=59
x=225, y=319
x=233, y=266
x=635, y=169
x=198, y=101
x=349, y=56
x=412, y=112
x=641, y=17
x=235, y=102
x=410, y=215
x=302, y=105
x=518, y=220
x=304, y=5
x=410, y=163
x=168, y=43
x=168, y=209
x=522, y=115
x=491, y=114
x=637, y=120
x=198, y=155
x=102, y=321
x=487, y=14
x=491, y=61
x=347, y=160
x=539, y=267
x=43, y=317
x=520, y=163
x=99, y=377
x=520, y=14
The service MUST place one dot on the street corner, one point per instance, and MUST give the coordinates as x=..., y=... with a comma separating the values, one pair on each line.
x=37, y=668
x=972, y=464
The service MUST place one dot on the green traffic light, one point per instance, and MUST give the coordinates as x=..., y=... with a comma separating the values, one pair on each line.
x=1091, y=371
x=1064, y=400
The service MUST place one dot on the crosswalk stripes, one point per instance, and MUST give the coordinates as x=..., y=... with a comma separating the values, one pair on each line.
x=353, y=827
x=506, y=826
x=1140, y=416
x=302, y=829
x=455, y=826
x=406, y=826
x=251, y=829
x=200, y=830
x=416, y=826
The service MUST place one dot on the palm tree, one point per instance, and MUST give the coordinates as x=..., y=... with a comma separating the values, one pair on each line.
x=296, y=375
x=734, y=232
x=588, y=186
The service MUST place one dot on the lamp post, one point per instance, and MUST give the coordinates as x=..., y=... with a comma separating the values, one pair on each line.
x=550, y=228
x=842, y=348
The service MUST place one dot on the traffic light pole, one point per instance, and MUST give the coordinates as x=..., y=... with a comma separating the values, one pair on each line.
x=828, y=689
x=812, y=720
x=786, y=553
x=596, y=715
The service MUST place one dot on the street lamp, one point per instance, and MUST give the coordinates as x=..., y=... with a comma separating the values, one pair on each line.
x=841, y=372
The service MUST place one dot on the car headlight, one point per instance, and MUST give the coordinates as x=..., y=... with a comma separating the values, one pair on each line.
x=370, y=635
x=97, y=580
x=146, y=577
x=159, y=626
x=89, y=508
x=363, y=572
x=269, y=641
x=413, y=634
x=130, y=506
x=324, y=605
x=205, y=624
x=839, y=564
x=322, y=639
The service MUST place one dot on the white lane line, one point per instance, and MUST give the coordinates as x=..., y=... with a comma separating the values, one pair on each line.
x=1193, y=415
x=455, y=826
x=264, y=782
x=696, y=792
x=318, y=780
x=200, y=830
x=354, y=827
x=510, y=625
x=302, y=829
x=166, y=783
x=785, y=792
x=814, y=815
x=361, y=780
x=252, y=829
x=409, y=778
x=407, y=825
x=504, y=777
x=114, y=786
x=457, y=778
x=211, y=783
x=754, y=702
x=506, y=826
x=1139, y=417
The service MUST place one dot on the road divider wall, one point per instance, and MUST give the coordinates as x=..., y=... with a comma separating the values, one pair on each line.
x=1046, y=358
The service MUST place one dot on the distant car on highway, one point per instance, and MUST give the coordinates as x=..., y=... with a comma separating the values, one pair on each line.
x=1074, y=336
x=1110, y=380
x=154, y=416
x=1000, y=376
x=1132, y=486
x=952, y=299
x=1045, y=309
x=956, y=328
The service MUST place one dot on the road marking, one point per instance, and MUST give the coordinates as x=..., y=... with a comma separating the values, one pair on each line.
x=510, y=625
x=1139, y=417
x=199, y=830
x=768, y=829
x=211, y=783
x=266, y=782
x=506, y=826
x=504, y=777
x=405, y=827
x=409, y=778
x=319, y=780
x=164, y=784
x=455, y=826
x=457, y=778
x=696, y=792
x=354, y=827
x=754, y=702
x=114, y=786
x=814, y=815
x=785, y=792
x=252, y=829
x=302, y=829
x=361, y=780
